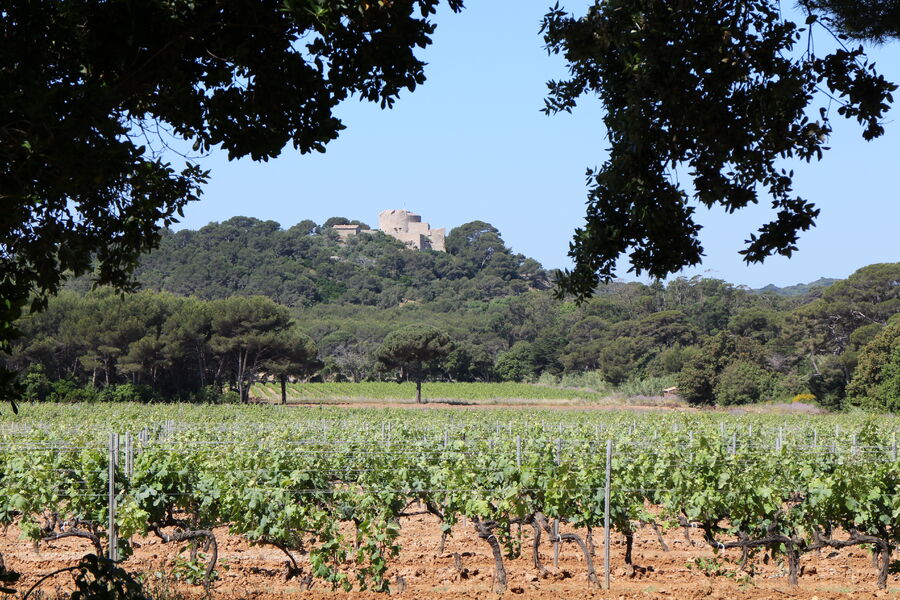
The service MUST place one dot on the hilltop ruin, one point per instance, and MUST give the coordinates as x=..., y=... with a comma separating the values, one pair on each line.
x=409, y=229
x=402, y=225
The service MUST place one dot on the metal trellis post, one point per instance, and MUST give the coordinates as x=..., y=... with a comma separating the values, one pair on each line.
x=112, y=536
x=606, y=514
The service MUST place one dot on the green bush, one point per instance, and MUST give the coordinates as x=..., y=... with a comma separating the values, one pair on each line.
x=830, y=382
x=592, y=380
x=127, y=392
x=228, y=397
x=791, y=385
x=671, y=360
x=876, y=381
x=68, y=390
x=515, y=364
x=697, y=380
x=744, y=383
x=35, y=385
x=647, y=386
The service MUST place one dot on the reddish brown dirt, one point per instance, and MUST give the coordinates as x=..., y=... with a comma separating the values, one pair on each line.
x=474, y=405
x=258, y=572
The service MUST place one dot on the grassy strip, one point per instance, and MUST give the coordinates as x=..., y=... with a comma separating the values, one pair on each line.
x=488, y=393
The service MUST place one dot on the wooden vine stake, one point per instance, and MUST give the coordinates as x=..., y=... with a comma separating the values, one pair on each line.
x=556, y=521
x=129, y=455
x=113, y=549
x=606, y=515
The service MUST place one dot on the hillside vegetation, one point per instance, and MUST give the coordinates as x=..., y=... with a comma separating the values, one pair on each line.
x=223, y=306
x=307, y=264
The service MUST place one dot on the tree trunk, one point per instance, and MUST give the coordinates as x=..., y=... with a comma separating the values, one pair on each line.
x=201, y=364
x=629, y=546
x=418, y=391
x=541, y=521
x=793, y=558
x=283, y=390
x=535, y=549
x=485, y=532
x=239, y=375
x=588, y=561
x=659, y=537
x=886, y=553
x=211, y=546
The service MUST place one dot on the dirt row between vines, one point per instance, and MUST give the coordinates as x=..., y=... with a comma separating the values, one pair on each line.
x=465, y=569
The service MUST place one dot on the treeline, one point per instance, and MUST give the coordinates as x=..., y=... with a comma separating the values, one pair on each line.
x=719, y=343
x=157, y=346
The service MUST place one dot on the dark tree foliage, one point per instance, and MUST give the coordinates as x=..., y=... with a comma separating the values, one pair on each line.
x=88, y=86
x=480, y=248
x=294, y=355
x=156, y=346
x=412, y=350
x=876, y=381
x=873, y=20
x=722, y=344
x=721, y=355
x=703, y=95
x=304, y=265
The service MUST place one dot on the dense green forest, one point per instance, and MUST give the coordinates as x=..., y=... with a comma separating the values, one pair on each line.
x=242, y=300
x=306, y=265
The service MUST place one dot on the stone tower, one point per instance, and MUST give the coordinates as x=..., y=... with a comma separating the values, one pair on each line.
x=409, y=229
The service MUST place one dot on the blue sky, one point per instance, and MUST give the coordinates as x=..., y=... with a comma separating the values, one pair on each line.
x=472, y=144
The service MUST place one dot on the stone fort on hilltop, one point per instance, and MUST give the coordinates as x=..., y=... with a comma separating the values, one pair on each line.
x=404, y=226
x=409, y=229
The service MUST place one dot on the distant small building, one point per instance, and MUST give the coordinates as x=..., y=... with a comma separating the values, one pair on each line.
x=409, y=229
x=670, y=392
x=348, y=231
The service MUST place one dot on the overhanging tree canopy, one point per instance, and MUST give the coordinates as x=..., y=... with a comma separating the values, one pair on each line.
x=718, y=92
x=87, y=87
x=876, y=20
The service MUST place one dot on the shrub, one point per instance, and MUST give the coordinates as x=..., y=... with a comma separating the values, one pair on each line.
x=829, y=383
x=593, y=380
x=127, y=392
x=876, y=381
x=805, y=398
x=515, y=364
x=647, y=386
x=68, y=390
x=35, y=385
x=744, y=383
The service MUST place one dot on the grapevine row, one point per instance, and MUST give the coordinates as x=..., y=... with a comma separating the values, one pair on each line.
x=348, y=487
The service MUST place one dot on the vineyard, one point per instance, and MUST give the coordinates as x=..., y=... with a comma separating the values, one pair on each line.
x=500, y=393
x=328, y=488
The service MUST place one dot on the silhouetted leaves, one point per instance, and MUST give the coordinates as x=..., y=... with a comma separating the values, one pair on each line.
x=704, y=100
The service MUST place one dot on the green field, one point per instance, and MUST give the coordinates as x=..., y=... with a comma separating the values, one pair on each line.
x=483, y=393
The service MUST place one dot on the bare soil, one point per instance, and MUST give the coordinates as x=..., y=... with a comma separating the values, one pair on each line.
x=420, y=571
x=438, y=403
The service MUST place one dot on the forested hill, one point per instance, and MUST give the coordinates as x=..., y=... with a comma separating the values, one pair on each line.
x=213, y=293
x=798, y=289
x=307, y=264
